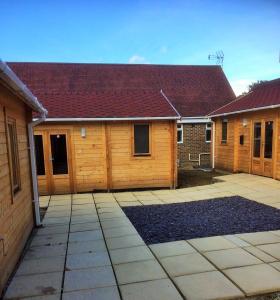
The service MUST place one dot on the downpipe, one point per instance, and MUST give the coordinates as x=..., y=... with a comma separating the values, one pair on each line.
x=31, y=125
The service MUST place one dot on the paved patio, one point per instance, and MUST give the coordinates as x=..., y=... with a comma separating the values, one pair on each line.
x=88, y=249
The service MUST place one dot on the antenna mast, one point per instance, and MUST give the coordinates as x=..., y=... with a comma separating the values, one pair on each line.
x=218, y=57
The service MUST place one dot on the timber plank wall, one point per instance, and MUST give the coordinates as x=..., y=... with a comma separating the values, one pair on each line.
x=104, y=159
x=16, y=213
x=238, y=158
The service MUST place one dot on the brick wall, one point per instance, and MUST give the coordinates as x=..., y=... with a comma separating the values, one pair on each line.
x=193, y=143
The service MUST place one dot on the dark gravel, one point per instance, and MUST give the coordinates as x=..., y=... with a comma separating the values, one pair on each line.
x=220, y=216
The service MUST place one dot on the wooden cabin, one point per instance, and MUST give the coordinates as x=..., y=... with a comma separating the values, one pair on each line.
x=16, y=192
x=247, y=133
x=107, y=127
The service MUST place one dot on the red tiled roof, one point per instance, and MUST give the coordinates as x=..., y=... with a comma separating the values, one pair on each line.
x=263, y=96
x=83, y=90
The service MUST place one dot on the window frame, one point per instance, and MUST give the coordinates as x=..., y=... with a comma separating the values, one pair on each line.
x=207, y=128
x=15, y=188
x=181, y=129
x=224, y=141
x=143, y=155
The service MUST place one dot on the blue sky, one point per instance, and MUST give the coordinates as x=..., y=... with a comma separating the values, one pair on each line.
x=157, y=32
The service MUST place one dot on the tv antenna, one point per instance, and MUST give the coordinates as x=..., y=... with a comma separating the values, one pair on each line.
x=218, y=57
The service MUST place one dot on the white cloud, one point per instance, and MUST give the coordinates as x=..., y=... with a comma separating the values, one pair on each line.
x=163, y=49
x=241, y=85
x=137, y=59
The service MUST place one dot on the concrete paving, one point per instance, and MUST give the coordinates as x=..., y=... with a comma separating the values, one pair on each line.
x=88, y=249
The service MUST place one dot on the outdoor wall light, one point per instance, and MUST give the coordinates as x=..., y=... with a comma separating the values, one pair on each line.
x=83, y=132
x=244, y=122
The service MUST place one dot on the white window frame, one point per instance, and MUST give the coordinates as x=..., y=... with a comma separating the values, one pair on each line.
x=180, y=128
x=208, y=127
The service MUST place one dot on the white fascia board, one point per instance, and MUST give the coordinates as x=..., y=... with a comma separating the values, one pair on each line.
x=246, y=110
x=192, y=120
x=109, y=119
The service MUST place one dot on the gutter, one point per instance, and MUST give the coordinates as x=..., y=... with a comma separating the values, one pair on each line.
x=21, y=90
x=108, y=119
x=246, y=110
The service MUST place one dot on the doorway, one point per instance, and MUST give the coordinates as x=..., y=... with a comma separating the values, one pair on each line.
x=53, y=162
x=262, y=156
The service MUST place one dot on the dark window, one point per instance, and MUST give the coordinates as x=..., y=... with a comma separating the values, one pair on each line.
x=141, y=139
x=39, y=150
x=180, y=133
x=257, y=139
x=268, y=139
x=224, y=131
x=14, y=157
x=59, y=154
x=208, y=132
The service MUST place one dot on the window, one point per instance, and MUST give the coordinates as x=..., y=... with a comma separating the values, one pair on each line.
x=13, y=155
x=39, y=150
x=141, y=139
x=59, y=154
x=224, y=131
x=257, y=139
x=180, y=133
x=208, y=132
x=268, y=139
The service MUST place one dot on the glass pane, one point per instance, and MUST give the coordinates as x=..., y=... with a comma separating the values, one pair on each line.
x=14, y=156
x=224, y=131
x=39, y=151
x=257, y=139
x=179, y=136
x=141, y=139
x=59, y=154
x=268, y=139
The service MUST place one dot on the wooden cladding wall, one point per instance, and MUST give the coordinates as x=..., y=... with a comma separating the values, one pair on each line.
x=235, y=157
x=16, y=213
x=104, y=159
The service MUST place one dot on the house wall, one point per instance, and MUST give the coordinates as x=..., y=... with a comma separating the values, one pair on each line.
x=16, y=213
x=104, y=158
x=193, y=144
x=235, y=157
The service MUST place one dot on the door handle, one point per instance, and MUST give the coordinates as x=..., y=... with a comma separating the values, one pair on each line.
x=51, y=159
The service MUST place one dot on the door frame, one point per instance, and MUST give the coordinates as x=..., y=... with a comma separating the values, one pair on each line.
x=262, y=159
x=50, y=178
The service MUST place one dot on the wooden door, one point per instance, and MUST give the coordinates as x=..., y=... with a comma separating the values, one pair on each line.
x=60, y=162
x=263, y=139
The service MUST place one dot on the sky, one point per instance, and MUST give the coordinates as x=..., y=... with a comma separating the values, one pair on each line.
x=148, y=31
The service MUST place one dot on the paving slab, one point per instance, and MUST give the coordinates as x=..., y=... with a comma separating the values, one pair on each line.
x=87, y=260
x=107, y=293
x=139, y=271
x=82, y=212
x=271, y=249
x=84, y=236
x=260, y=238
x=119, y=231
x=34, y=285
x=124, y=242
x=45, y=251
x=236, y=240
x=89, y=278
x=162, y=289
x=45, y=297
x=86, y=247
x=207, y=286
x=276, y=265
x=260, y=254
x=84, y=219
x=186, y=264
x=49, y=230
x=231, y=258
x=257, y=279
x=42, y=265
x=131, y=254
x=172, y=249
x=55, y=221
x=211, y=243
x=52, y=239
x=84, y=226
x=117, y=222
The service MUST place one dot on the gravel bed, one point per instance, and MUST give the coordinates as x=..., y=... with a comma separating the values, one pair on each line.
x=220, y=216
